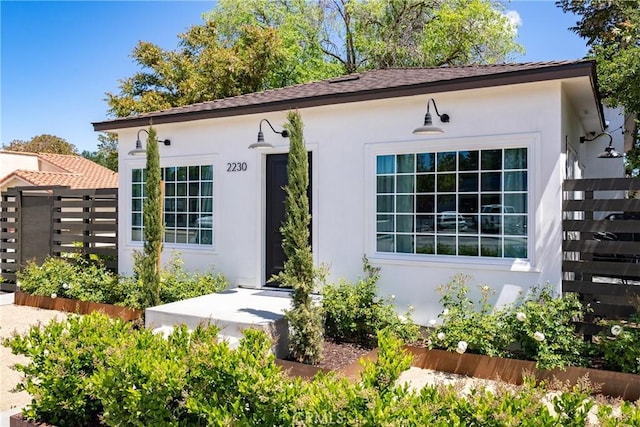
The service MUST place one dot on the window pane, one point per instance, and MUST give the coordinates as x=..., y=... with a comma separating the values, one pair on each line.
x=425, y=244
x=446, y=161
x=193, y=204
x=136, y=190
x=385, y=243
x=169, y=220
x=470, y=225
x=194, y=187
x=136, y=234
x=181, y=220
x=206, y=189
x=136, y=205
x=206, y=237
x=425, y=223
x=468, y=246
x=515, y=225
x=515, y=181
x=404, y=204
x=181, y=173
x=169, y=204
x=405, y=184
x=207, y=172
x=170, y=174
x=446, y=202
x=385, y=164
x=385, y=184
x=468, y=182
x=446, y=182
x=384, y=223
x=169, y=189
x=425, y=162
x=181, y=235
x=136, y=219
x=181, y=189
x=515, y=247
x=170, y=236
x=516, y=202
x=425, y=204
x=404, y=243
x=446, y=245
x=468, y=203
x=491, y=246
x=515, y=158
x=404, y=223
x=406, y=163
x=491, y=181
x=136, y=175
x=491, y=224
x=468, y=160
x=385, y=204
x=426, y=183
x=491, y=160
x=194, y=173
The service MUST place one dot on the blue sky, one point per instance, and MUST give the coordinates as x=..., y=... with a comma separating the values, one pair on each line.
x=58, y=59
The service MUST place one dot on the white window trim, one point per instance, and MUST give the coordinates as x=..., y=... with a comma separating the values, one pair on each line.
x=140, y=163
x=531, y=141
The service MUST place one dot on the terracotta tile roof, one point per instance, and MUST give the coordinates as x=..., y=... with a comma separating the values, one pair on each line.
x=374, y=84
x=80, y=173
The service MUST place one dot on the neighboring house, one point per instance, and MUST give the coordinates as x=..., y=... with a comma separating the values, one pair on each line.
x=19, y=169
x=412, y=203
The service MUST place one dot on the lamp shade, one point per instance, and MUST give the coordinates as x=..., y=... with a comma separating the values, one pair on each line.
x=138, y=151
x=609, y=153
x=427, y=128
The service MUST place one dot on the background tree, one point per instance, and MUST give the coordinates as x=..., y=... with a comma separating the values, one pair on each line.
x=107, y=153
x=152, y=220
x=612, y=31
x=305, y=317
x=251, y=45
x=44, y=143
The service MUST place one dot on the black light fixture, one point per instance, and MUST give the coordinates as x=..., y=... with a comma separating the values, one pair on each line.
x=139, y=150
x=609, y=152
x=260, y=144
x=428, y=128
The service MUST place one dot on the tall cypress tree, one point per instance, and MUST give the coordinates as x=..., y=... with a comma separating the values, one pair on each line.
x=305, y=317
x=152, y=217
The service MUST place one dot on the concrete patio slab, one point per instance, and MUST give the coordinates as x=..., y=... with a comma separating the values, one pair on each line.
x=233, y=311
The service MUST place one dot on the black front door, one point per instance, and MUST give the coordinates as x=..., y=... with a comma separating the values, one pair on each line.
x=275, y=213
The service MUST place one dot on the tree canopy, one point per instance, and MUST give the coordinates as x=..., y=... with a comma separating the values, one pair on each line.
x=253, y=45
x=107, y=153
x=612, y=31
x=44, y=143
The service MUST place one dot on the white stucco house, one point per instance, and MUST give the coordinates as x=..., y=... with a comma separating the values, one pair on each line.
x=482, y=198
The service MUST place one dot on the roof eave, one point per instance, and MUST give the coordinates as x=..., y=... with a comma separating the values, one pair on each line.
x=579, y=69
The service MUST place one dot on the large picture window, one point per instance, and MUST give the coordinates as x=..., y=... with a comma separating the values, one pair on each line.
x=187, y=204
x=461, y=203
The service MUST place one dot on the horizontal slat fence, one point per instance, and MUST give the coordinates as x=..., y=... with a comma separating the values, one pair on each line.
x=60, y=221
x=601, y=253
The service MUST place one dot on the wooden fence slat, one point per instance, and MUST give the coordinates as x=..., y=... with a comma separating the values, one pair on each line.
x=593, y=226
x=596, y=288
x=606, y=248
x=608, y=269
x=598, y=184
x=602, y=205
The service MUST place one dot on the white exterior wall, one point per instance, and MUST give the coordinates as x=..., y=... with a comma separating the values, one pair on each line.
x=344, y=140
x=13, y=161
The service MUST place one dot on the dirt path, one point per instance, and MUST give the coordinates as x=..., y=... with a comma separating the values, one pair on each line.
x=19, y=319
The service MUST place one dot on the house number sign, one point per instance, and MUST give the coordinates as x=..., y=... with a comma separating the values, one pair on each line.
x=237, y=167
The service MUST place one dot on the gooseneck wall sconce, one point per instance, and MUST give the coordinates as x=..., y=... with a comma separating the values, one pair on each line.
x=139, y=150
x=260, y=144
x=428, y=128
x=609, y=152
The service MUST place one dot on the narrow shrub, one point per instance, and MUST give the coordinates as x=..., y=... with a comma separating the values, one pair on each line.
x=305, y=316
x=353, y=312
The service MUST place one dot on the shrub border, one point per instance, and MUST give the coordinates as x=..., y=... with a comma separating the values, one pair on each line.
x=76, y=306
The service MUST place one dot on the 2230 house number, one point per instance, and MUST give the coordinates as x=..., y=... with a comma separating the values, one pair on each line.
x=237, y=167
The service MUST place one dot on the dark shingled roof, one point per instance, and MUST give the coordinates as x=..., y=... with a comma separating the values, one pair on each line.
x=368, y=85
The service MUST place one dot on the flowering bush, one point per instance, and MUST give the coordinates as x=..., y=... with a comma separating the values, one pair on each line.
x=620, y=346
x=539, y=326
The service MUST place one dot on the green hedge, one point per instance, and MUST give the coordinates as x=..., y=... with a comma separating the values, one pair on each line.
x=93, y=369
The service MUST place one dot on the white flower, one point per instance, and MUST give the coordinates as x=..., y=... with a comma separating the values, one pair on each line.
x=440, y=336
x=538, y=336
x=18, y=283
x=54, y=295
x=402, y=318
x=462, y=347
x=65, y=286
x=46, y=352
x=375, y=300
x=616, y=330
x=393, y=297
x=429, y=343
x=433, y=322
x=485, y=288
x=521, y=316
x=445, y=312
x=411, y=308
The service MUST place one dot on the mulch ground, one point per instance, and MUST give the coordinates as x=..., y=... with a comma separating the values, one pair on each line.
x=338, y=355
